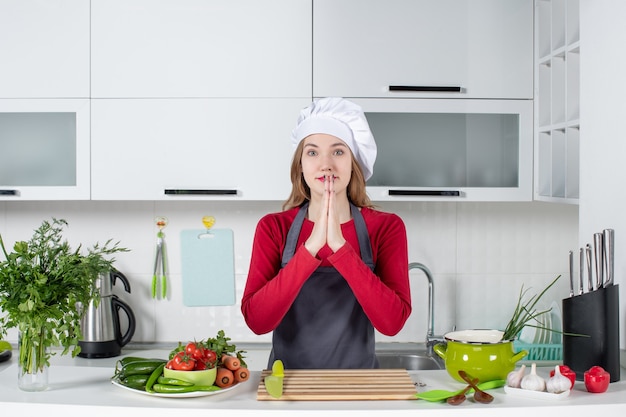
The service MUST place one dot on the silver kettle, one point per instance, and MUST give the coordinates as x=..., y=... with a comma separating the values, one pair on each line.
x=100, y=324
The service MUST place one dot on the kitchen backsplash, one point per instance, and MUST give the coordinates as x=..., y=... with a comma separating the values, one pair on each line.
x=480, y=254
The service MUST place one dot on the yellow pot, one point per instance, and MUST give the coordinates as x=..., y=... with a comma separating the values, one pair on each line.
x=481, y=353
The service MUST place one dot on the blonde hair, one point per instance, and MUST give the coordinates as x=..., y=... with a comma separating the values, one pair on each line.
x=300, y=191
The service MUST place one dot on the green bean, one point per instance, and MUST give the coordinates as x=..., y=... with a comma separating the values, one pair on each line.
x=173, y=381
x=154, y=376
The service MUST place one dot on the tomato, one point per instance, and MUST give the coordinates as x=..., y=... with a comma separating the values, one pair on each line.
x=195, y=351
x=566, y=372
x=183, y=362
x=200, y=366
x=597, y=379
x=210, y=356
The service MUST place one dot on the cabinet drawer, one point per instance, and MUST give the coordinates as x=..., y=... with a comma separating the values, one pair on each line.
x=450, y=48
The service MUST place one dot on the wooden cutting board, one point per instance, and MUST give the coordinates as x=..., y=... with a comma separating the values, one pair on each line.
x=342, y=385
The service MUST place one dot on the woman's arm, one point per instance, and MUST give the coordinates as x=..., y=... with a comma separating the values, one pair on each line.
x=385, y=293
x=270, y=290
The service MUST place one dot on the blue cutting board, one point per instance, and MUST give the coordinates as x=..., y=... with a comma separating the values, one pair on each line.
x=208, y=267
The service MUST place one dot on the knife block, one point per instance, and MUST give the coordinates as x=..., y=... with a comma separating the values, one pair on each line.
x=596, y=316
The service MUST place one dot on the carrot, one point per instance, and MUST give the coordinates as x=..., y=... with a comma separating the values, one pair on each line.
x=241, y=374
x=230, y=362
x=225, y=377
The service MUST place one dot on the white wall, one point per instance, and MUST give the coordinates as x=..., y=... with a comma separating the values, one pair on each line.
x=603, y=142
x=480, y=255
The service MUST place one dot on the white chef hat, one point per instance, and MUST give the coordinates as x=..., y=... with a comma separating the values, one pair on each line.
x=343, y=119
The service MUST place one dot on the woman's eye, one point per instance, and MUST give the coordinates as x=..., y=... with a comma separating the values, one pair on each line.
x=339, y=152
x=311, y=153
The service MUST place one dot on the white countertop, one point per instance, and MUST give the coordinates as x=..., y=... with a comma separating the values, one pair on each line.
x=82, y=387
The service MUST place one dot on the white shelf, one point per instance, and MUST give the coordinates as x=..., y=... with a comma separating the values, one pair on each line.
x=557, y=101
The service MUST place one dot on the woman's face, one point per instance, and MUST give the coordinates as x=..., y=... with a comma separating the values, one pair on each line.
x=325, y=155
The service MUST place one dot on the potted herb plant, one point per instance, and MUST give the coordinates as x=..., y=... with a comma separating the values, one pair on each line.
x=42, y=283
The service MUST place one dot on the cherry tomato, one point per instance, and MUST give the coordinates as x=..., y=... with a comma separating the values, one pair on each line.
x=210, y=356
x=567, y=372
x=200, y=366
x=597, y=379
x=183, y=362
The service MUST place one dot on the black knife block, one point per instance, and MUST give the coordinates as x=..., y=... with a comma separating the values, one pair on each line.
x=596, y=315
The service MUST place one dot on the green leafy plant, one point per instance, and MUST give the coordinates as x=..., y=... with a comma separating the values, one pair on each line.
x=43, y=282
x=525, y=312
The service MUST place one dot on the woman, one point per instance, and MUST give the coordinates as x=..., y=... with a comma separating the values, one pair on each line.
x=329, y=269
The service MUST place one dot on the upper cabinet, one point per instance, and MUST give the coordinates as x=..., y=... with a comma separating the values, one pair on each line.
x=423, y=48
x=44, y=149
x=557, y=104
x=44, y=49
x=201, y=48
x=201, y=149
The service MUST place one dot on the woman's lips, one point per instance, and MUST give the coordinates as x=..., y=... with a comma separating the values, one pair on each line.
x=322, y=178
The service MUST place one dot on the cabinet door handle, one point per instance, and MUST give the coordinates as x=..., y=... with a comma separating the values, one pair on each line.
x=426, y=88
x=9, y=193
x=200, y=192
x=436, y=193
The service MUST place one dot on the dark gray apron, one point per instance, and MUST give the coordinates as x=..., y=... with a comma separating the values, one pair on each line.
x=325, y=326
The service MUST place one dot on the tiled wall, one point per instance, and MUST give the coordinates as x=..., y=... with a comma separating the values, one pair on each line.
x=479, y=253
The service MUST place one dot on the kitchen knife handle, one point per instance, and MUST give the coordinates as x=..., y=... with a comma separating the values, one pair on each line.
x=9, y=193
x=436, y=193
x=598, y=246
x=589, y=269
x=200, y=192
x=571, y=273
x=426, y=88
x=581, y=273
x=609, y=251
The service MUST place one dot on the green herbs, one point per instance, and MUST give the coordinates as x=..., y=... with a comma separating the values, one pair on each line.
x=41, y=282
x=525, y=312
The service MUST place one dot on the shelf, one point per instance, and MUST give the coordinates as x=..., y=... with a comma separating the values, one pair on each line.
x=557, y=101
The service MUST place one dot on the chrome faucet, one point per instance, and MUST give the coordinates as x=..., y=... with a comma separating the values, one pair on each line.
x=431, y=339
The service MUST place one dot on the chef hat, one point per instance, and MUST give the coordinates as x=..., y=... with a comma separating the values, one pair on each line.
x=343, y=119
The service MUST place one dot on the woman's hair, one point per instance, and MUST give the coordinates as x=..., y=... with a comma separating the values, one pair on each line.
x=300, y=191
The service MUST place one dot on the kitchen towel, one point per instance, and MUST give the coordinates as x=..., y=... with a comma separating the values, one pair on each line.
x=208, y=267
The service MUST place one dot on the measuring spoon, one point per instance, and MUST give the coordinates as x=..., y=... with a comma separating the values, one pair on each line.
x=438, y=395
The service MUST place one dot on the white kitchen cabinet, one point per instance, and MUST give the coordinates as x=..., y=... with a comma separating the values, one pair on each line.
x=201, y=48
x=557, y=104
x=44, y=49
x=450, y=149
x=423, y=48
x=44, y=147
x=192, y=149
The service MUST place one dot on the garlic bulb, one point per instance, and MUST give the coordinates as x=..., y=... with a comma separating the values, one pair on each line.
x=533, y=381
x=514, y=378
x=558, y=382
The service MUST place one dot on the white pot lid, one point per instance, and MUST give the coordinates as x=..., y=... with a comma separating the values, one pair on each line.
x=475, y=336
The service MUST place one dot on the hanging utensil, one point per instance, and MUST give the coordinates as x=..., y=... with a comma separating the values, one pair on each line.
x=598, y=245
x=159, y=275
x=609, y=251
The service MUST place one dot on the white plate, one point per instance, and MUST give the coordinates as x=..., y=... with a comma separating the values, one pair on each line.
x=181, y=395
x=539, y=395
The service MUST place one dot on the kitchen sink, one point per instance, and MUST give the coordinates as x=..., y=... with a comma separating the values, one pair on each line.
x=408, y=361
